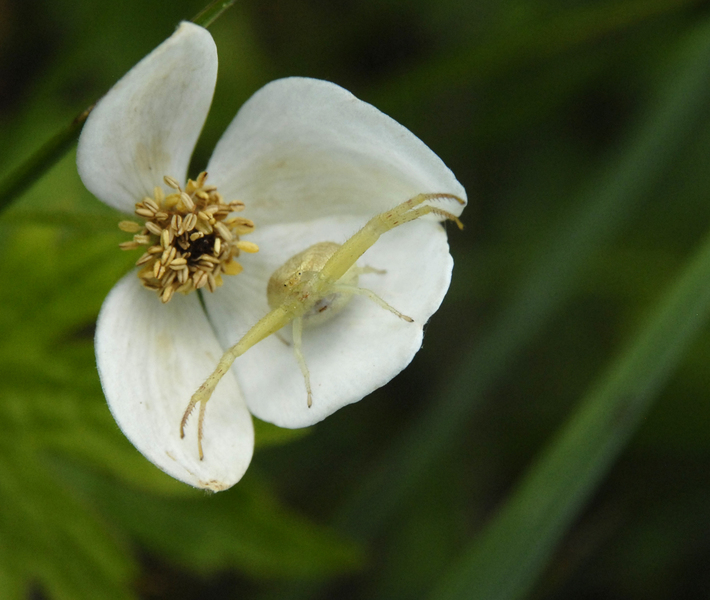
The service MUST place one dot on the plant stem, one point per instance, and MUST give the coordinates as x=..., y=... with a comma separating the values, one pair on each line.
x=43, y=159
x=210, y=13
x=22, y=177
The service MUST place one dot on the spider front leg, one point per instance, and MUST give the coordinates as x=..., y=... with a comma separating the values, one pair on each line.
x=346, y=256
x=269, y=324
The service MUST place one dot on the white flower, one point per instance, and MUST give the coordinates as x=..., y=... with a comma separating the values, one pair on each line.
x=311, y=163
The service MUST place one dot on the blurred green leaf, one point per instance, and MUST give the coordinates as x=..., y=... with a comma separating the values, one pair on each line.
x=267, y=434
x=56, y=542
x=51, y=402
x=244, y=528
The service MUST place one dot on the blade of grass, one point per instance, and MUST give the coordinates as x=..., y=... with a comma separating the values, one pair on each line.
x=22, y=177
x=507, y=559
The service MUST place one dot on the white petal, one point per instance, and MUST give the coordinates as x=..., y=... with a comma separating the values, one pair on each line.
x=300, y=149
x=148, y=123
x=151, y=358
x=361, y=348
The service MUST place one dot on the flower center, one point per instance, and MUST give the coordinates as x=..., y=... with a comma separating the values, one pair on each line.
x=191, y=240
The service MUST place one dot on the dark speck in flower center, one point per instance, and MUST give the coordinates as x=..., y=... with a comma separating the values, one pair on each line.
x=203, y=245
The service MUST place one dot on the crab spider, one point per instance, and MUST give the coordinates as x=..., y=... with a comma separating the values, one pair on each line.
x=312, y=287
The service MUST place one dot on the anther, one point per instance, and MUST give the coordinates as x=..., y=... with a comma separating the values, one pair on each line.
x=153, y=228
x=187, y=201
x=129, y=226
x=171, y=182
x=248, y=247
x=144, y=259
x=151, y=204
x=223, y=231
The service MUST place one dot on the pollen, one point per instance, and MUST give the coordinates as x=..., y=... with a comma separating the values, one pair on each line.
x=190, y=238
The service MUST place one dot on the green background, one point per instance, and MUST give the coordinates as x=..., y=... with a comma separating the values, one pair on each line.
x=551, y=440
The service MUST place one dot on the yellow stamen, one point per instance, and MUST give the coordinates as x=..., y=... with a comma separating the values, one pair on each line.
x=248, y=247
x=129, y=226
x=190, y=237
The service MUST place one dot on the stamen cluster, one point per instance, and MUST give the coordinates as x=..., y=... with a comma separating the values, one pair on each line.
x=191, y=239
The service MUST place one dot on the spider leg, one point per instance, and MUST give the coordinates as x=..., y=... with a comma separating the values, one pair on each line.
x=346, y=256
x=269, y=324
x=365, y=270
x=352, y=289
x=298, y=353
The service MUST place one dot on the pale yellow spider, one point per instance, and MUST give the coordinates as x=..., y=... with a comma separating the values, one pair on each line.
x=312, y=287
